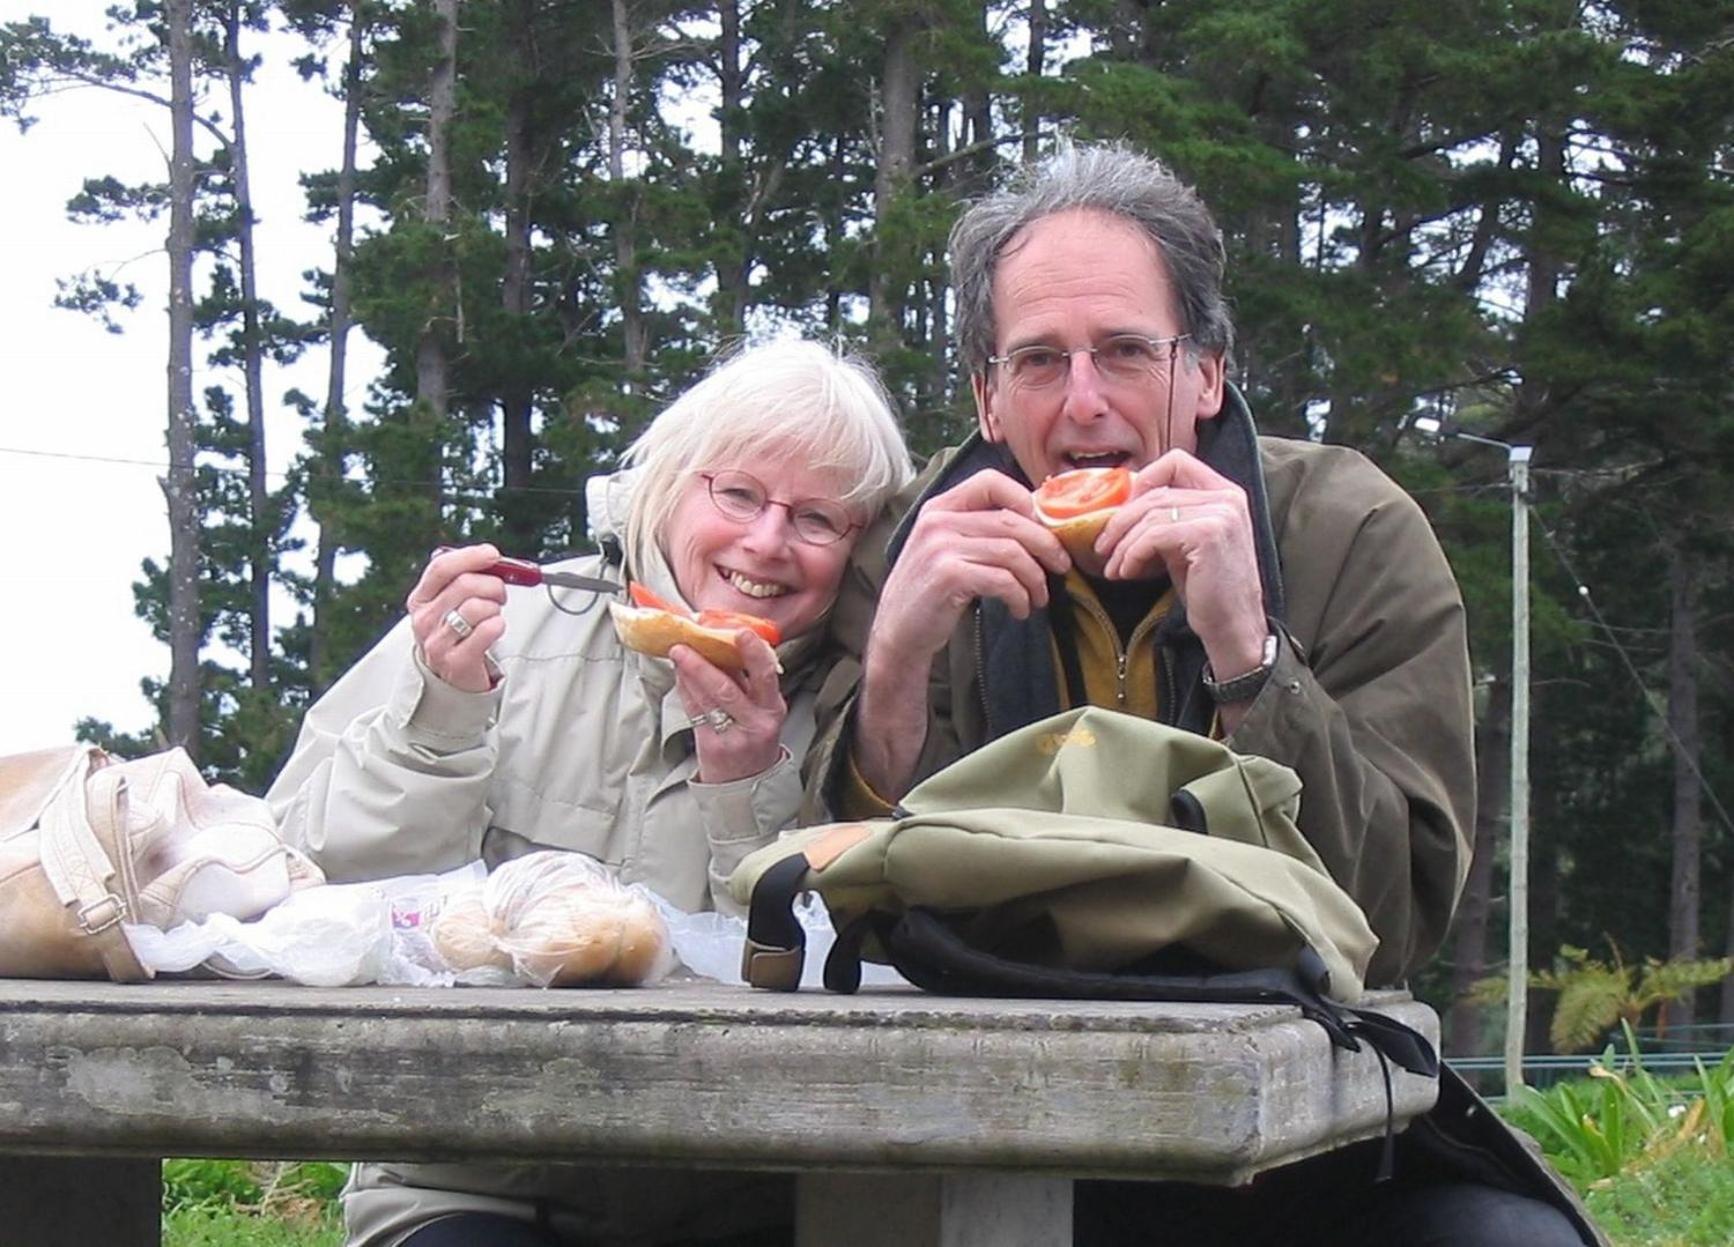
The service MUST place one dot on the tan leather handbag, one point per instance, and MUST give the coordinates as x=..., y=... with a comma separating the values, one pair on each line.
x=88, y=843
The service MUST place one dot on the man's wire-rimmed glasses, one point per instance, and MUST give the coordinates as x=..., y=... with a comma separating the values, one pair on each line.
x=1131, y=358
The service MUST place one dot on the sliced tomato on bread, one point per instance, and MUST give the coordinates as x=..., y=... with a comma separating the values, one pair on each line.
x=1076, y=506
x=655, y=626
x=1067, y=495
x=642, y=596
x=735, y=620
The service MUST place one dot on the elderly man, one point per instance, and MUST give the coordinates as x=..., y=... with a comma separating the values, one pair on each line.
x=1283, y=596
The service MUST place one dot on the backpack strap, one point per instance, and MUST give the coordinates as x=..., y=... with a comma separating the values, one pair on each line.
x=928, y=953
x=776, y=944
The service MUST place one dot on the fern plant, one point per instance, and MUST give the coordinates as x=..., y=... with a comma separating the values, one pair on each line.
x=1595, y=996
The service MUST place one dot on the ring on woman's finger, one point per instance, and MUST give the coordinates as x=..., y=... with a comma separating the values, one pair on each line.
x=457, y=623
x=716, y=718
x=1173, y=515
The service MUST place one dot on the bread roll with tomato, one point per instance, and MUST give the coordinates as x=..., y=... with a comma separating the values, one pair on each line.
x=654, y=626
x=1077, y=505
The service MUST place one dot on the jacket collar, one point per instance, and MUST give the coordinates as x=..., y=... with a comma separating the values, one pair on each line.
x=1019, y=681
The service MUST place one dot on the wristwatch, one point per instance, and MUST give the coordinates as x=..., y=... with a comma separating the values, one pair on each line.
x=1242, y=687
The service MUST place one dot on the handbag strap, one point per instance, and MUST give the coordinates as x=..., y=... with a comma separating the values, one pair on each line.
x=88, y=864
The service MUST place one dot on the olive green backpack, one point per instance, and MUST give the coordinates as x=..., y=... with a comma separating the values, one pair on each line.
x=1100, y=855
x=1092, y=854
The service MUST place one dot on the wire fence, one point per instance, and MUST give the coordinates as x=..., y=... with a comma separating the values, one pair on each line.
x=1677, y=1051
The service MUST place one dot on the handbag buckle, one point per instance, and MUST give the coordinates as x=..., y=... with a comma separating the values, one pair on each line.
x=99, y=915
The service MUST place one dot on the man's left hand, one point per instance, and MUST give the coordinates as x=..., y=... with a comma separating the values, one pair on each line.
x=1193, y=522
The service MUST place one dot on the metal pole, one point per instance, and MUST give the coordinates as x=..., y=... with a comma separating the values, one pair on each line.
x=1517, y=996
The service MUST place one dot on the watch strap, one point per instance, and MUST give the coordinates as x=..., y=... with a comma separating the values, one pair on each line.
x=1246, y=686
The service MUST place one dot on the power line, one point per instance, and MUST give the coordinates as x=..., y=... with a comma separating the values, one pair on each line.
x=161, y=465
x=1678, y=745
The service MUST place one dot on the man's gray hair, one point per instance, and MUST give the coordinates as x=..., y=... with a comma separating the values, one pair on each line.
x=824, y=408
x=1104, y=177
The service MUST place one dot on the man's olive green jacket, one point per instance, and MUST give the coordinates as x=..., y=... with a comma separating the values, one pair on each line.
x=1369, y=700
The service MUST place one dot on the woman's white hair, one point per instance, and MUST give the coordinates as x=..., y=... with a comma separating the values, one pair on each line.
x=823, y=407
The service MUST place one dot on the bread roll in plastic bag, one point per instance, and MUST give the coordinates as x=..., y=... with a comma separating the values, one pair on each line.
x=555, y=919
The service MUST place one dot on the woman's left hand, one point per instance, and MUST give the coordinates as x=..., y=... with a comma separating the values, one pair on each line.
x=745, y=738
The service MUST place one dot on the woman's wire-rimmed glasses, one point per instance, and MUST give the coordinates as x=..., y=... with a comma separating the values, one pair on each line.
x=741, y=496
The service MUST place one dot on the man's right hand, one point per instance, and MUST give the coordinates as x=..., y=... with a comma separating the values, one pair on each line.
x=979, y=539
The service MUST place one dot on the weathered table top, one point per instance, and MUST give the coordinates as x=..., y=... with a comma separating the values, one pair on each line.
x=687, y=1074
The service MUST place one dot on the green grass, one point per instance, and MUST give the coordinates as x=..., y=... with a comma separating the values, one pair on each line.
x=1685, y=1199
x=214, y=1227
x=1650, y=1156
x=238, y=1203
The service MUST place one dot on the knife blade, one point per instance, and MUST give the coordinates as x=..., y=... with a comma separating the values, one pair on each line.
x=524, y=572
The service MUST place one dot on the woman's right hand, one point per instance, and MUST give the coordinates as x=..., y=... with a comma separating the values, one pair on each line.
x=456, y=580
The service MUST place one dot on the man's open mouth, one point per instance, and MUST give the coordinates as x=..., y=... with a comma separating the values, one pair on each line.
x=1095, y=459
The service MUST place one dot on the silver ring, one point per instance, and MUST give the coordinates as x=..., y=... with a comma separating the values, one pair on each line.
x=1173, y=515
x=716, y=718
x=457, y=623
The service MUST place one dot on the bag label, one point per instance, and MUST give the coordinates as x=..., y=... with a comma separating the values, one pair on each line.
x=834, y=842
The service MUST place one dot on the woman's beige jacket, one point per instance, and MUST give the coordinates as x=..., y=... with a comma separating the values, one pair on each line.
x=582, y=745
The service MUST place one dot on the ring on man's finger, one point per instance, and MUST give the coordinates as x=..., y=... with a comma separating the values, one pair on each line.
x=716, y=718
x=457, y=623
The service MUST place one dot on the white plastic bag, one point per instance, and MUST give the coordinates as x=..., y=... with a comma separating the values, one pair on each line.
x=331, y=935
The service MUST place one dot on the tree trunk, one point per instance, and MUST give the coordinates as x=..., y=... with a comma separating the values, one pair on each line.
x=732, y=269
x=522, y=531
x=1685, y=892
x=180, y=487
x=1474, y=912
x=634, y=341
x=330, y=467
x=252, y=364
x=1469, y=275
x=1727, y=1011
x=1033, y=65
x=836, y=230
x=975, y=172
x=1542, y=289
x=432, y=366
x=899, y=86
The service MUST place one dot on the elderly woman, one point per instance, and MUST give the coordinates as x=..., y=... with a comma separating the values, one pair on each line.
x=495, y=721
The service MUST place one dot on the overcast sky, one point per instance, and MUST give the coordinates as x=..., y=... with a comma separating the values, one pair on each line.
x=82, y=434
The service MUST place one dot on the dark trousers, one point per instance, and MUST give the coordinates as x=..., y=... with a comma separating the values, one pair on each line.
x=1328, y=1201
x=488, y=1229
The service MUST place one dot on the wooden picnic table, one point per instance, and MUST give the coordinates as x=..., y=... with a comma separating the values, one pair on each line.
x=962, y=1121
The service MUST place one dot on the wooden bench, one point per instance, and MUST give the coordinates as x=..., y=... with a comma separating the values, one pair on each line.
x=961, y=1122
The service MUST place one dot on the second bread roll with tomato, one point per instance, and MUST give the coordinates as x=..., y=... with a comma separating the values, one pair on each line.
x=1077, y=505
